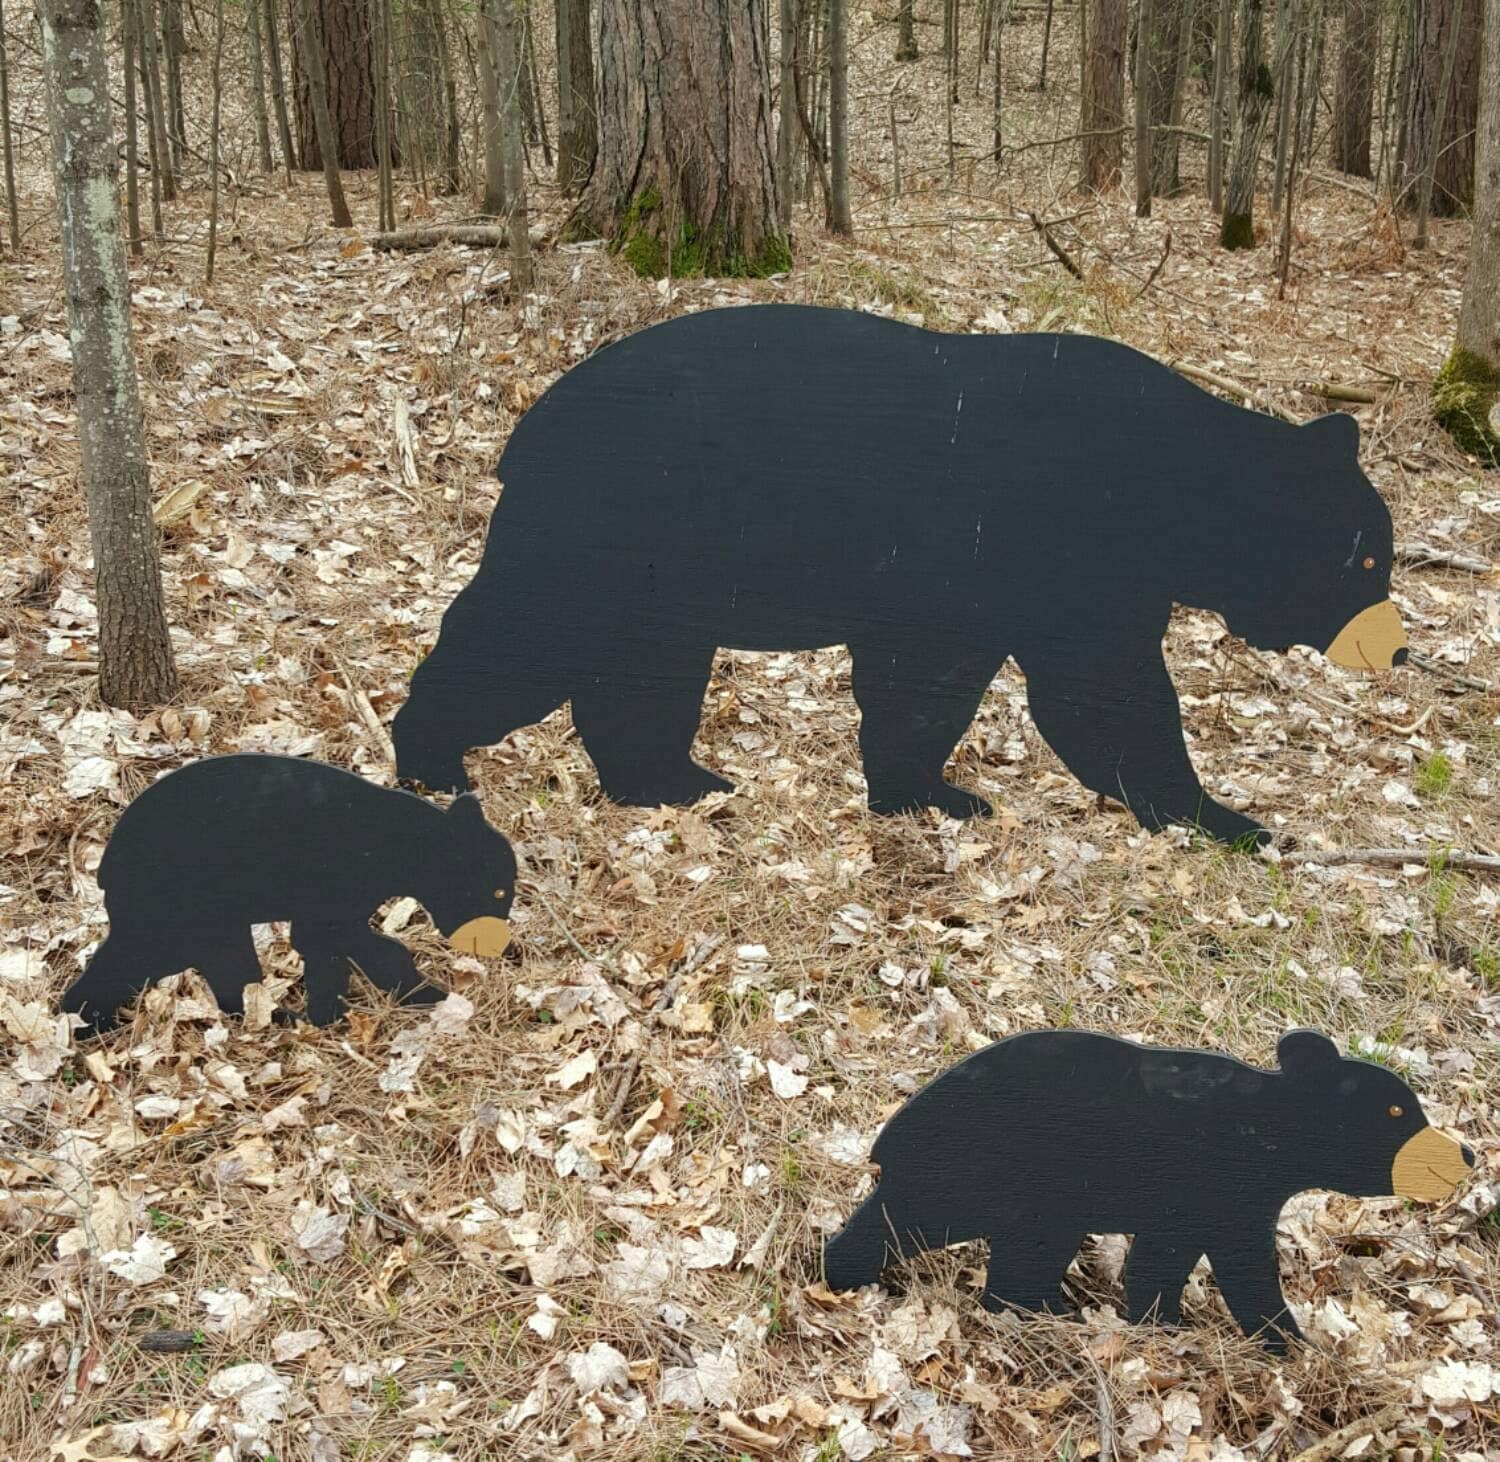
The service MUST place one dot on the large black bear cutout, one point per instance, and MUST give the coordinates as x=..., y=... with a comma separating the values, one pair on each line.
x=1044, y=1137
x=778, y=478
x=232, y=841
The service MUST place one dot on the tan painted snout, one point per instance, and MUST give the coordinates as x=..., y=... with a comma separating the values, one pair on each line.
x=487, y=936
x=1428, y=1167
x=1375, y=639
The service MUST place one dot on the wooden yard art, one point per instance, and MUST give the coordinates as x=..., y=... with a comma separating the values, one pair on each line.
x=780, y=478
x=232, y=841
x=1044, y=1137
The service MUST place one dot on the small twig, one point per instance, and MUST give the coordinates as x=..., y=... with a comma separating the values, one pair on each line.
x=1421, y=554
x=1058, y=252
x=1334, y=1443
x=1395, y=858
x=1436, y=667
x=622, y=1092
x=1106, y=1413
x=1339, y=391
x=601, y=957
x=1151, y=278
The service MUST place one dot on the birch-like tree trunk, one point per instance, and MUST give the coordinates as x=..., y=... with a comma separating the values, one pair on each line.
x=1467, y=399
x=1103, y=112
x=840, y=221
x=136, y=669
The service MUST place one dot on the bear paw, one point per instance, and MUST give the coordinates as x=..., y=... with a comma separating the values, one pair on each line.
x=680, y=788
x=951, y=801
x=1229, y=826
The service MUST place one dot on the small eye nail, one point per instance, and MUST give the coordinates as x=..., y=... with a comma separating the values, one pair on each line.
x=1369, y=563
x=499, y=893
x=1397, y=1111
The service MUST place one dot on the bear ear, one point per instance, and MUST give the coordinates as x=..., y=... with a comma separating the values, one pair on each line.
x=1302, y=1052
x=1338, y=431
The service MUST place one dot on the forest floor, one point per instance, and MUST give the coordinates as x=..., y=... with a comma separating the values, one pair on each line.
x=577, y=1208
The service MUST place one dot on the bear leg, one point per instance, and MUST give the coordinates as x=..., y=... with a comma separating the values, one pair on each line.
x=1155, y=1273
x=1026, y=1269
x=863, y=1247
x=1249, y=1278
x=1116, y=722
x=114, y=977
x=387, y=962
x=914, y=709
x=228, y=968
x=325, y=969
x=640, y=738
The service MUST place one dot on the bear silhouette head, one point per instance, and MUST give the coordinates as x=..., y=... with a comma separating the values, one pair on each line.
x=470, y=881
x=1313, y=565
x=1363, y=1127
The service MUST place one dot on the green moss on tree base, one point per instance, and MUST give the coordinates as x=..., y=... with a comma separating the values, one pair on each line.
x=1463, y=397
x=641, y=242
x=1238, y=231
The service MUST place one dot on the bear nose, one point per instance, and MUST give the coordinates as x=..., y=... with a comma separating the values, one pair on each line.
x=1400, y=657
x=1468, y=1153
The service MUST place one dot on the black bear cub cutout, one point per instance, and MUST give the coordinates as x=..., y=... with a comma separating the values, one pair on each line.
x=776, y=477
x=1045, y=1137
x=233, y=841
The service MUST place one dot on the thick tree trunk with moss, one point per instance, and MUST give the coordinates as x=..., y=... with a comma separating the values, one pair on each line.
x=1468, y=389
x=135, y=653
x=685, y=179
x=1254, y=105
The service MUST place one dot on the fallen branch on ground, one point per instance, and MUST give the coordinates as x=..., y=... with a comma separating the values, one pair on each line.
x=1058, y=252
x=1396, y=858
x=1436, y=667
x=1420, y=554
x=1233, y=388
x=1334, y=1444
x=476, y=235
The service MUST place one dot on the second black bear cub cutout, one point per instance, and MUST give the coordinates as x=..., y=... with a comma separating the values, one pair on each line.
x=783, y=478
x=1043, y=1138
x=232, y=841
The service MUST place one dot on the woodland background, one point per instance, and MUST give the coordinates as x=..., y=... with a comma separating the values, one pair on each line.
x=577, y=1208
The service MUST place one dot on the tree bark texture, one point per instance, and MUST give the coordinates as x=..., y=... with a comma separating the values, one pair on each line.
x=135, y=653
x=493, y=201
x=1145, y=35
x=1468, y=388
x=840, y=221
x=258, y=86
x=1165, y=77
x=577, y=126
x=1104, y=95
x=1453, y=175
x=1219, y=102
x=348, y=53
x=685, y=178
x=322, y=119
x=1354, y=95
x=906, y=32
x=1255, y=93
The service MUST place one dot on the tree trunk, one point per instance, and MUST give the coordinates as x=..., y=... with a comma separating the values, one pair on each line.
x=1166, y=73
x=906, y=32
x=1041, y=74
x=997, y=142
x=258, y=87
x=135, y=652
x=278, y=88
x=1289, y=18
x=840, y=220
x=509, y=58
x=1145, y=35
x=577, y=139
x=1440, y=115
x=349, y=83
x=786, y=112
x=686, y=169
x=317, y=94
x=1468, y=388
x=1354, y=95
x=1103, y=112
x=493, y=202
x=1450, y=139
x=385, y=183
x=453, y=180
x=1219, y=104
x=216, y=93
x=132, y=138
x=1255, y=94
x=161, y=156
x=174, y=47
x=12, y=204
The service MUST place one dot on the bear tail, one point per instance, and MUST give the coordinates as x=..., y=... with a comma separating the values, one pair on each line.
x=861, y=1249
